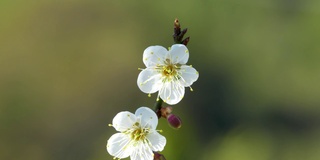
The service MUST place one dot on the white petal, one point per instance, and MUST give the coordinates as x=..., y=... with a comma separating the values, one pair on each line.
x=118, y=145
x=148, y=117
x=178, y=53
x=123, y=121
x=188, y=75
x=149, y=80
x=157, y=141
x=154, y=55
x=142, y=151
x=172, y=92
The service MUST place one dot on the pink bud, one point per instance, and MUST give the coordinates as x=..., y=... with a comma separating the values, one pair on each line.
x=165, y=111
x=174, y=121
x=158, y=156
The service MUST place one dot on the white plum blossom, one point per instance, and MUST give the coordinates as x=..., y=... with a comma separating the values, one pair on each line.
x=137, y=136
x=167, y=72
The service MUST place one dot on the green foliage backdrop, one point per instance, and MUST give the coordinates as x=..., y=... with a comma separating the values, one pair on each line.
x=67, y=67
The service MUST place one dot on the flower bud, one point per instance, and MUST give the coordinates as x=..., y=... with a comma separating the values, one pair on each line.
x=186, y=41
x=165, y=111
x=174, y=121
x=158, y=156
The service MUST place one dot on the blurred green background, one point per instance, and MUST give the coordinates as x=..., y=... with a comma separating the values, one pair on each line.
x=67, y=67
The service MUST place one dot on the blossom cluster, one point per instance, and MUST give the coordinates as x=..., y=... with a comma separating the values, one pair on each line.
x=166, y=72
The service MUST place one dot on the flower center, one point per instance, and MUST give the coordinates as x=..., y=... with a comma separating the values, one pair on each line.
x=139, y=134
x=169, y=70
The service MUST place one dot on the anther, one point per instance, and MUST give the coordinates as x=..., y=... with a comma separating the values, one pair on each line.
x=191, y=89
x=110, y=125
x=149, y=95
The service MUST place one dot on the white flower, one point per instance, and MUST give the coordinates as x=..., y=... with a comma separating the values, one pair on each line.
x=138, y=136
x=167, y=72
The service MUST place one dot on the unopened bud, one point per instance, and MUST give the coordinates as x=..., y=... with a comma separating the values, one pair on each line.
x=181, y=34
x=176, y=23
x=186, y=41
x=158, y=156
x=165, y=111
x=174, y=121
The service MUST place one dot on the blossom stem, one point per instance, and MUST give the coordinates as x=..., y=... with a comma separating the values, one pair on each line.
x=158, y=106
x=178, y=39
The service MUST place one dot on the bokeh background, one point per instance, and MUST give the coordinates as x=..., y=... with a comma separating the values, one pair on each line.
x=68, y=67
